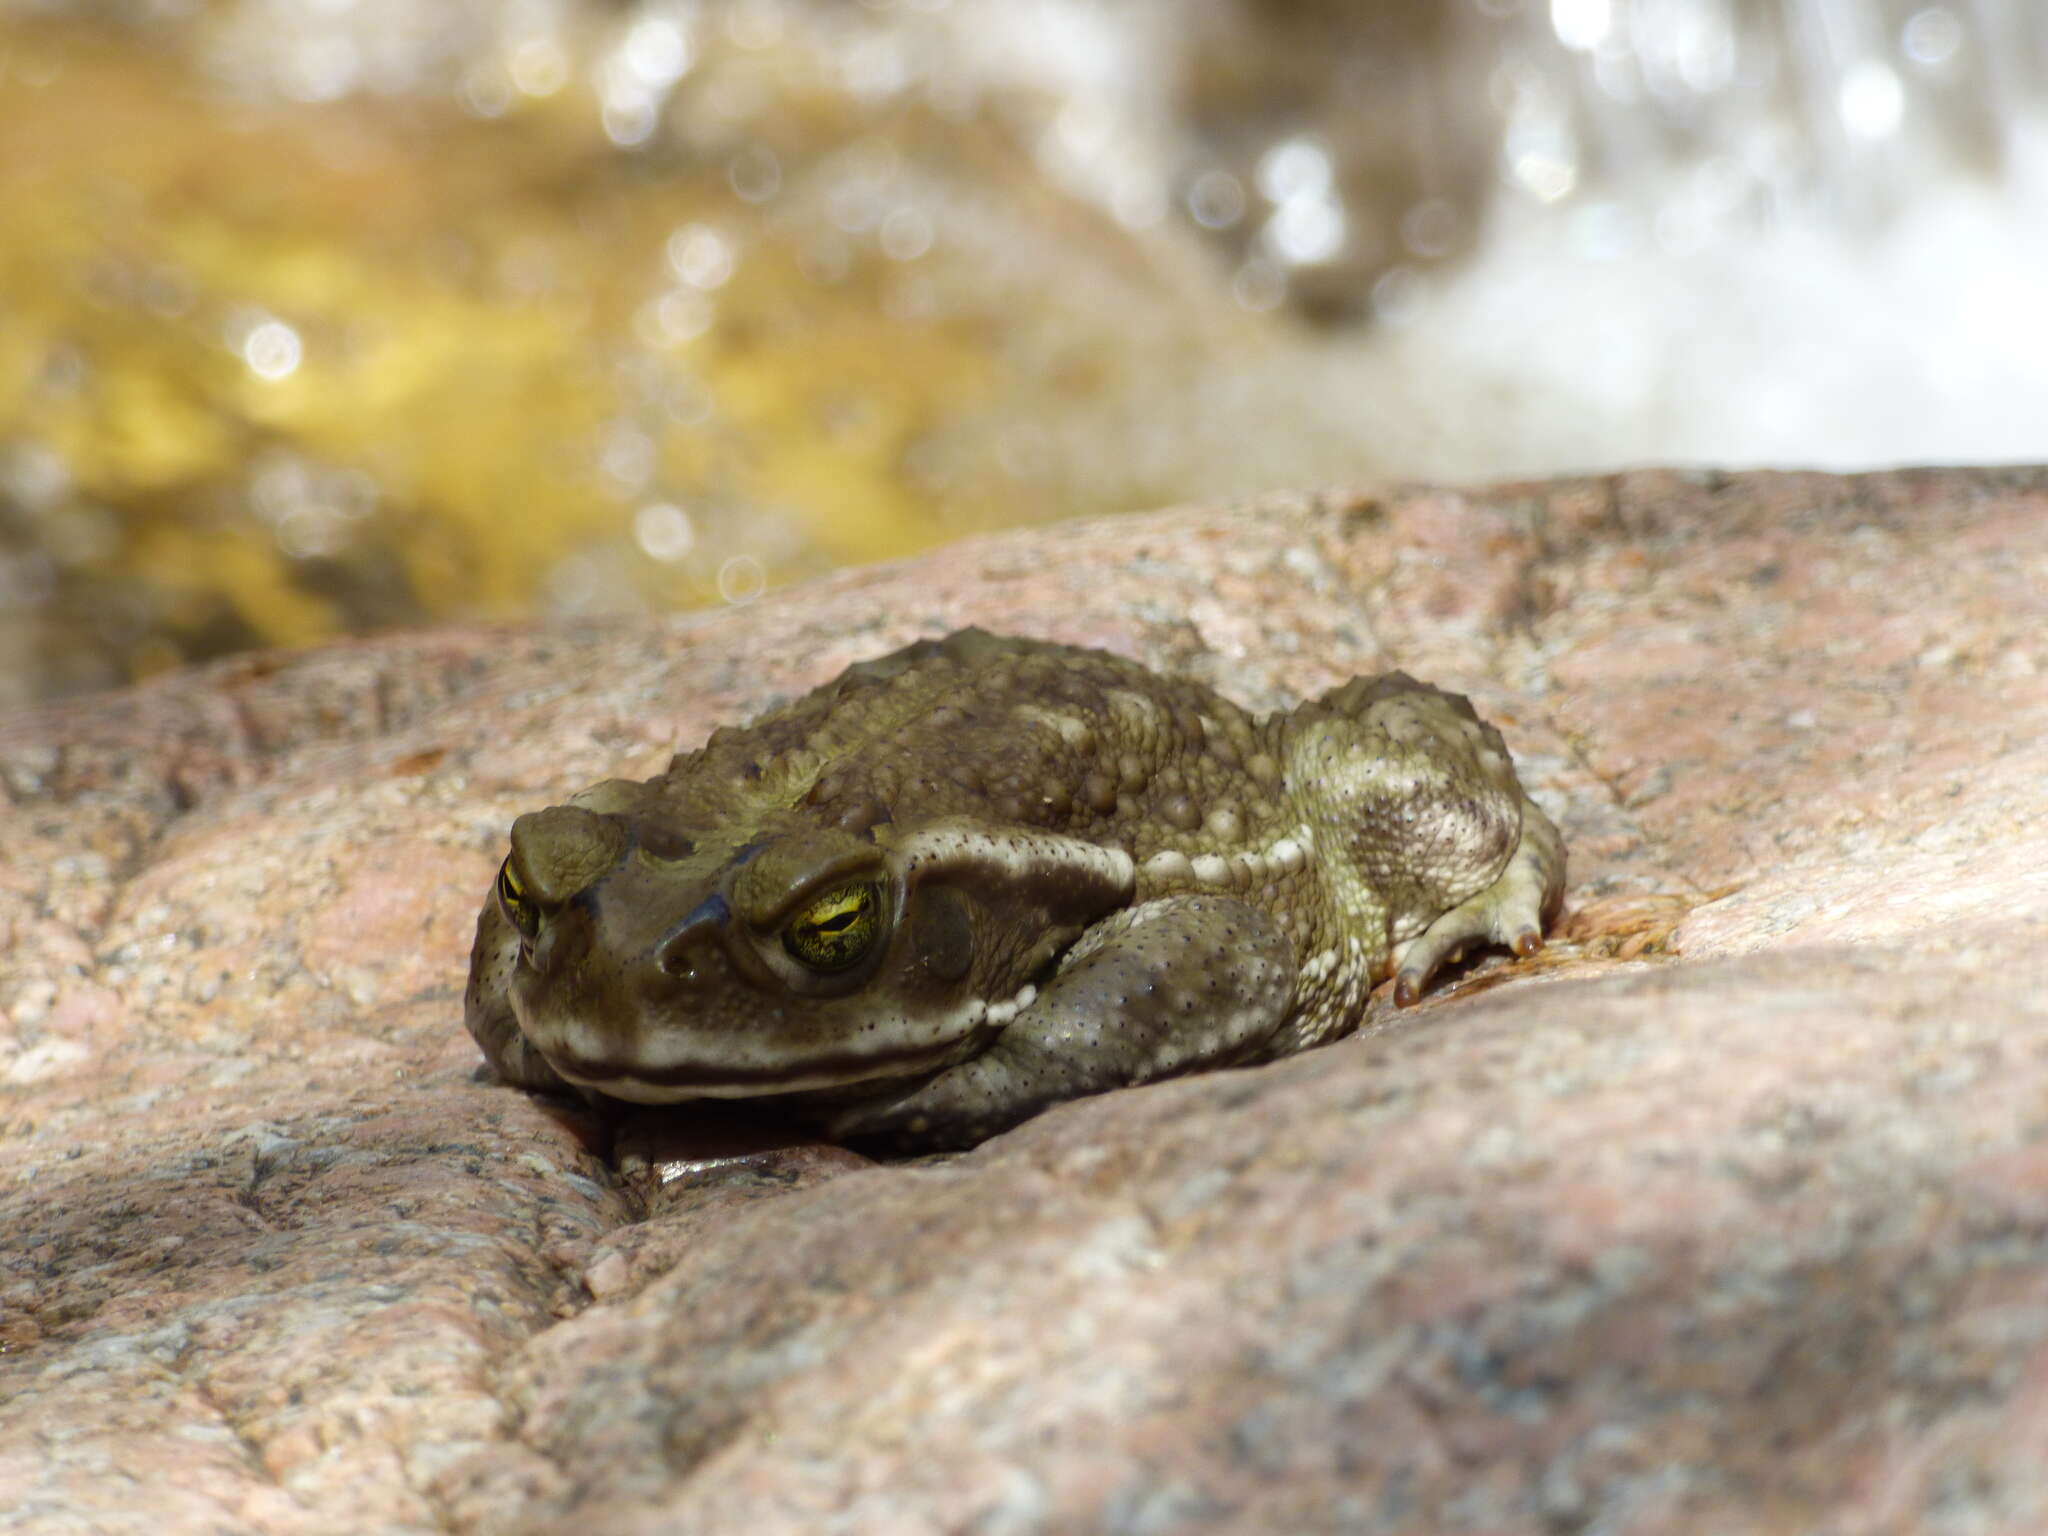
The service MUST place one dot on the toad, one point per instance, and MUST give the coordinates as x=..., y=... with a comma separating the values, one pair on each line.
x=982, y=875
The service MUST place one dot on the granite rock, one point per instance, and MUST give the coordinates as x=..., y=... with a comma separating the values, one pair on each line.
x=1729, y=1212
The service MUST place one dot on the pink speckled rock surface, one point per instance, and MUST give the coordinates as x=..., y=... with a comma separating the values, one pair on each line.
x=1728, y=1213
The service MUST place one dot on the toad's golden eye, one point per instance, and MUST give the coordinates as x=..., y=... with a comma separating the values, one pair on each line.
x=838, y=928
x=519, y=908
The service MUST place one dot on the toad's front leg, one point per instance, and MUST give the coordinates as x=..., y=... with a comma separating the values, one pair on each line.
x=1166, y=987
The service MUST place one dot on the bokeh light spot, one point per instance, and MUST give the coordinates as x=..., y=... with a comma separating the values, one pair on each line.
x=272, y=350
x=741, y=579
x=664, y=531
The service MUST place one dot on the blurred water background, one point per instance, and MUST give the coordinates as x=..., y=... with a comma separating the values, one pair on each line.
x=324, y=316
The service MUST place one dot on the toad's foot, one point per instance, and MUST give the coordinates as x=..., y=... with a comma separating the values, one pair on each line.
x=1511, y=911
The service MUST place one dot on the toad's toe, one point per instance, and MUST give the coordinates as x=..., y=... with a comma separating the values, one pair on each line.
x=1511, y=911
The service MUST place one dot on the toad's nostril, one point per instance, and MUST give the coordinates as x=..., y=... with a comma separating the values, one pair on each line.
x=683, y=962
x=687, y=949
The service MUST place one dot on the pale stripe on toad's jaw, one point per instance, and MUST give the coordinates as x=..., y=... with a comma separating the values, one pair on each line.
x=634, y=1091
x=943, y=1032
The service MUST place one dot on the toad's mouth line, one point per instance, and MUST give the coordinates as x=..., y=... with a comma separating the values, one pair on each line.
x=644, y=1084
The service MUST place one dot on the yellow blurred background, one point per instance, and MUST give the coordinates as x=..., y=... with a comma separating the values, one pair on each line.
x=323, y=316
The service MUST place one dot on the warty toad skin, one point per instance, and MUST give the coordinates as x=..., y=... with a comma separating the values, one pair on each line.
x=982, y=875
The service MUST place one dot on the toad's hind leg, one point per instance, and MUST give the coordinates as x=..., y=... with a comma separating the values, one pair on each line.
x=1426, y=839
x=1167, y=987
x=1511, y=911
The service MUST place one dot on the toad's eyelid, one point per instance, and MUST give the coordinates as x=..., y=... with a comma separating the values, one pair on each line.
x=839, y=906
x=836, y=910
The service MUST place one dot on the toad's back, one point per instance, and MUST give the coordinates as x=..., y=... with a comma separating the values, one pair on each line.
x=1018, y=731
